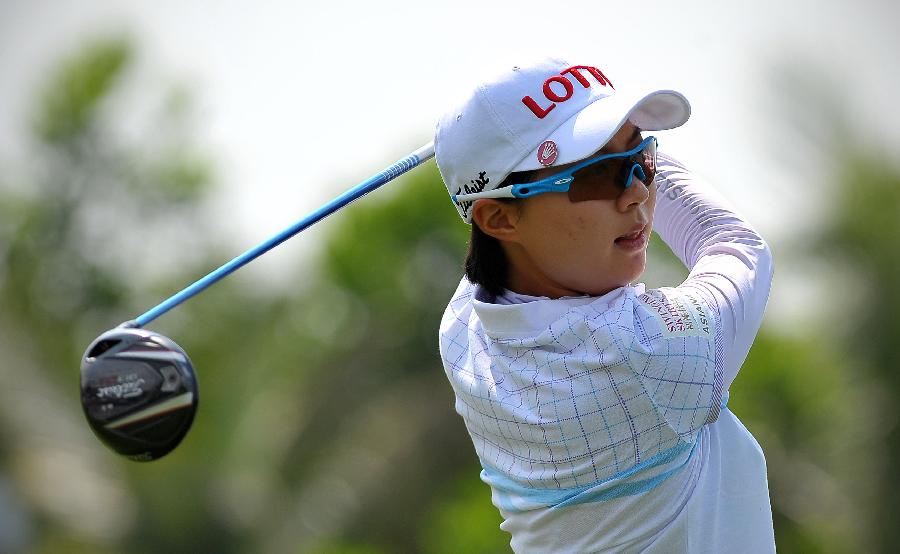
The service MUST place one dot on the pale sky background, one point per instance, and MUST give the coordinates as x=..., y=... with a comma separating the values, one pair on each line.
x=300, y=101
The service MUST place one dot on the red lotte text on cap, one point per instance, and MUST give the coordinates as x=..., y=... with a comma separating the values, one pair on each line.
x=544, y=113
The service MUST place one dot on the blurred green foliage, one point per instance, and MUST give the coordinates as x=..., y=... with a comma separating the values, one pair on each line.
x=326, y=424
x=862, y=235
x=70, y=101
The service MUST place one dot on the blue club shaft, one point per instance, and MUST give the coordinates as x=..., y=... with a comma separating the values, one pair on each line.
x=388, y=174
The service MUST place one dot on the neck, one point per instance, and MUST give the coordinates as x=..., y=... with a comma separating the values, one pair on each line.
x=526, y=278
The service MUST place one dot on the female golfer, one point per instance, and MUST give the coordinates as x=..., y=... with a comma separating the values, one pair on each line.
x=597, y=406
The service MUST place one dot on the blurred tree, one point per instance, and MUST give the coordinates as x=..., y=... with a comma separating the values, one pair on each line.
x=380, y=426
x=465, y=521
x=796, y=397
x=71, y=262
x=861, y=237
x=854, y=257
x=70, y=239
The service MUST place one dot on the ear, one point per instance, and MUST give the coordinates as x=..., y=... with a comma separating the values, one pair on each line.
x=497, y=219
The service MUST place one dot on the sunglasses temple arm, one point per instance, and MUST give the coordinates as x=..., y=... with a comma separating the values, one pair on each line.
x=505, y=192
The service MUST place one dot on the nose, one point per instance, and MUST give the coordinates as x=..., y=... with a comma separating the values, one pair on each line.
x=635, y=193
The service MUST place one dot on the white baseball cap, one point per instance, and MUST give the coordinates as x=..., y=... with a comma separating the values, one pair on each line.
x=540, y=114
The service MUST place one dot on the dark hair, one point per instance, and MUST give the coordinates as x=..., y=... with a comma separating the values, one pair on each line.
x=486, y=262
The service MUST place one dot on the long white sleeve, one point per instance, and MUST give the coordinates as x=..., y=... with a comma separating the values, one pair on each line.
x=726, y=256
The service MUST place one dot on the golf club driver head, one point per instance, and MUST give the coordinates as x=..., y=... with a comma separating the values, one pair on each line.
x=138, y=392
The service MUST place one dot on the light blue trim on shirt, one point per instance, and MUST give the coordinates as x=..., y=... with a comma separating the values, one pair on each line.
x=508, y=492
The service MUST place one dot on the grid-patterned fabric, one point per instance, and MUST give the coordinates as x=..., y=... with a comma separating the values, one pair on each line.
x=613, y=391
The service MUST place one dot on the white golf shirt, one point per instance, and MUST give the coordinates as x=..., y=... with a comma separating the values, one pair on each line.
x=601, y=422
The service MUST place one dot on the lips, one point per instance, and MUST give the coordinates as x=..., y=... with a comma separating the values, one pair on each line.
x=634, y=233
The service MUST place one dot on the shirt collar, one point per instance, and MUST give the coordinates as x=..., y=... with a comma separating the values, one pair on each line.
x=533, y=313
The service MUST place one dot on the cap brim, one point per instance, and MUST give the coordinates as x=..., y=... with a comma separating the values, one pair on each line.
x=590, y=129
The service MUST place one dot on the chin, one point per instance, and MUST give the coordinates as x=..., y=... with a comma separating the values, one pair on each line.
x=638, y=268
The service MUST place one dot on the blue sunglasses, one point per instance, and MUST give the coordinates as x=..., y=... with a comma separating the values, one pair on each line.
x=602, y=177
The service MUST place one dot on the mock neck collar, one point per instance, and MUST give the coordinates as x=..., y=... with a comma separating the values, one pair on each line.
x=535, y=313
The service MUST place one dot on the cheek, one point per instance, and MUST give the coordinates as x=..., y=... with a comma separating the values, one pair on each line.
x=577, y=237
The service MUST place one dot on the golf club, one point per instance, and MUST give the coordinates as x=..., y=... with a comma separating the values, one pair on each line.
x=138, y=388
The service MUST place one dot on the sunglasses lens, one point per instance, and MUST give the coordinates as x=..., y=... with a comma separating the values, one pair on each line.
x=598, y=181
x=605, y=180
x=647, y=160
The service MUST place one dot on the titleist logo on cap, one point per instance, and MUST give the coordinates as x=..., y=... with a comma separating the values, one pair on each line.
x=567, y=87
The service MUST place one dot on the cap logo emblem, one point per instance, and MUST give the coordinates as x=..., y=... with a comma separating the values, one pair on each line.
x=547, y=153
x=477, y=185
x=554, y=97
